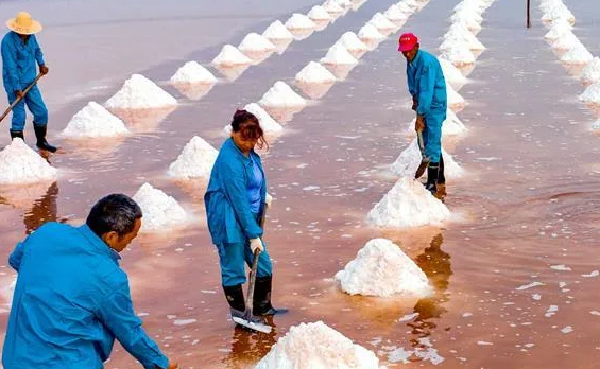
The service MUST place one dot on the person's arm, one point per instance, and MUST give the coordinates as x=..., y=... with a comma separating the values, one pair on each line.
x=425, y=95
x=17, y=255
x=117, y=314
x=9, y=62
x=39, y=55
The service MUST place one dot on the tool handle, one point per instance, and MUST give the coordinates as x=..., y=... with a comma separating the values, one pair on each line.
x=251, y=283
x=25, y=91
x=420, y=141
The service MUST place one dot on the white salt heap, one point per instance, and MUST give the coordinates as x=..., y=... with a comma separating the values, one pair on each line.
x=454, y=37
x=277, y=31
x=282, y=96
x=315, y=73
x=316, y=346
x=454, y=98
x=193, y=73
x=94, y=121
x=300, y=22
x=459, y=56
x=382, y=23
x=332, y=7
x=405, y=8
x=453, y=75
x=470, y=24
x=160, y=211
x=267, y=123
x=591, y=73
x=139, y=92
x=566, y=42
x=369, y=32
x=394, y=14
x=253, y=42
x=558, y=30
x=453, y=126
x=408, y=161
x=468, y=14
x=382, y=269
x=20, y=164
x=558, y=11
x=230, y=56
x=196, y=160
x=338, y=55
x=351, y=42
x=318, y=12
x=408, y=204
x=591, y=95
x=577, y=55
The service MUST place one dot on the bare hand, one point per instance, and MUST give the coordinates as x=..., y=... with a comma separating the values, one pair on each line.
x=414, y=105
x=419, y=123
x=44, y=70
x=19, y=94
x=172, y=366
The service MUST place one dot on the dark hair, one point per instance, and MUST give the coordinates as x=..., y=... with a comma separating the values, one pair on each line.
x=115, y=212
x=248, y=126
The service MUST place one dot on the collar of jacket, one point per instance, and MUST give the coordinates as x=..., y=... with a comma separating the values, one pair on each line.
x=97, y=244
x=247, y=160
x=416, y=59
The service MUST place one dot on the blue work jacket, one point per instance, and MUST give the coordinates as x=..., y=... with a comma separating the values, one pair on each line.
x=228, y=211
x=70, y=302
x=427, y=84
x=19, y=61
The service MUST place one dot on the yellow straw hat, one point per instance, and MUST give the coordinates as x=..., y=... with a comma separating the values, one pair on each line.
x=23, y=24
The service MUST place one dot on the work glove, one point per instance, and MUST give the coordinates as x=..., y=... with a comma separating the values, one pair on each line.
x=268, y=200
x=256, y=244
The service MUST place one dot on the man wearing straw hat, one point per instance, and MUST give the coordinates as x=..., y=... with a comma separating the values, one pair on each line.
x=21, y=57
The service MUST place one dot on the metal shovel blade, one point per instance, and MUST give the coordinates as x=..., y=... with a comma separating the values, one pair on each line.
x=252, y=325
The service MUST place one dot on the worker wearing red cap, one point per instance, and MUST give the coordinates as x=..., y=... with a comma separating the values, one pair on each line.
x=427, y=86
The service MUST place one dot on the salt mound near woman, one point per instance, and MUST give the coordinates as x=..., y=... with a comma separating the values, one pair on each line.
x=196, y=160
x=408, y=161
x=20, y=164
x=161, y=211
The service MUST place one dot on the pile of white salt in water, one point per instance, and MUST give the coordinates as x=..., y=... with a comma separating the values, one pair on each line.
x=161, y=211
x=196, y=160
x=94, y=121
x=315, y=73
x=193, y=73
x=282, y=96
x=20, y=164
x=139, y=92
x=230, y=56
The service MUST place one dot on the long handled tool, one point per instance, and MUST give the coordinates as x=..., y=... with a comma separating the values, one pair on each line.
x=425, y=161
x=25, y=91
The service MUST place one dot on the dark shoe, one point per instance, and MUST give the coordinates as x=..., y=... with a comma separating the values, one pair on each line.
x=262, y=298
x=433, y=171
x=40, y=135
x=16, y=134
x=235, y=299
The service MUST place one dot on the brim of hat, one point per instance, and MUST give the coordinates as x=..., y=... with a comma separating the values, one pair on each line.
x=36, y=26
x=405, y=48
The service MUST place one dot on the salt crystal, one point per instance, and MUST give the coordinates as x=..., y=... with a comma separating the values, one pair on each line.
x=351, y=42
x=596, y=125
x=193, y=73
x=382, y=269
x=591, y=95
x=560, y=267
x=196, y=160
x=338, y=55
x=566, y=42
x=315, y=73
x=94, y=121
x=460, y=55
x=277, y=31
x=316, y=346
x=183, y=321
x=408, y=161
x=530, y=285
x=139, y=92
x=160, y=211
x=408, y=204
x=400, y=355
x=452, y=74
x=536, y=297
x=591, y=72
x=485, y=343
x=454, y=99
x=332, y=7
x=318, y=12
x=231, y=57
x=369, y=32
x=551, y=310
x=382, y=23
x=20, y=164
x=567, y=330
x=577, y=55
x=253, y=42
x=282, y=96
x=300, y=22
x=558, y=30
x=593, y=274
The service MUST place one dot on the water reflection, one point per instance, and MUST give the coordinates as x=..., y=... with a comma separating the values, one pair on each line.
x=248, y=347
x=195, y=91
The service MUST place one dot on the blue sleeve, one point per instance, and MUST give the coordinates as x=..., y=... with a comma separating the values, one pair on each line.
x=117, y=314
x=9, y=64
x=235, y=190
x=426, y=86
x=17, y=255
x=411, y=83
x=39, y=55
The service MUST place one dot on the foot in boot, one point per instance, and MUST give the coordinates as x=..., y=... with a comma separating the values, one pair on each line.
x=262, y=298
x=16, y=134
x=40, y=135
x=430, y=186
x=235, y=297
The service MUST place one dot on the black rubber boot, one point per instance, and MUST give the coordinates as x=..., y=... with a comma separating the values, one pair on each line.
x=441, y=175
x=262, y=298
x=433, y=171
x=16, y=134
x=235, y=298
x=40, y=135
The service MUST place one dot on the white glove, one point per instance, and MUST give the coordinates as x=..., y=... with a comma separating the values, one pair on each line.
x=268, y=200
x=256, y=244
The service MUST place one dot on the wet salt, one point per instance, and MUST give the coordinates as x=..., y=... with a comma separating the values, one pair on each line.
x=318, y=12
x=370, y=32
x=277, y=31
x=577, y=55
x=591, y=72
x=160, y=211
x=253, y=42
x=139, y=92
x=382, y=269
x=193, y=73
x=282, y=96
x=408, y=204
x=338, y=55
x=300, y=22
x=351, y=42
x=460, y=55
x=382, y=23
x=591, y=95
x=94, y=121
x=316, y=346
x=231, y=57
x=196, y=160
x=20, y=164
x=315, y=73
x=452, y=74
x=332, y=7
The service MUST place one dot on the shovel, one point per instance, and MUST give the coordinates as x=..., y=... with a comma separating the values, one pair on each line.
x=425, y=162
x=25, y=91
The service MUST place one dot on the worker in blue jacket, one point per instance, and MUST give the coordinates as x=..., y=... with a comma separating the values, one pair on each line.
x=427, y=86
x=21, y=57
x=72, y=298
x=236, y=200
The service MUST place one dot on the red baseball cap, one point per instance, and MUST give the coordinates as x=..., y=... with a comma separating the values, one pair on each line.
x=407, y=42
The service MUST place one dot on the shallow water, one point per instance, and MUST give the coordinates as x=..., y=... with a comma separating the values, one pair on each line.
x=527, y=209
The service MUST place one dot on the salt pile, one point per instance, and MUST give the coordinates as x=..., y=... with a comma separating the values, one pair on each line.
x=231, y=57
x=459, y=56
x=315, y=73
x=20, y=164
x=453, y=126
x=451, y=38
x=382, y=23
x=452, y=74
x=139, y=92
x=338, y=55
x=395, y=14
x=267, y=123
x=591, y=73
x=94, y=121
x=277, y=31
x=381, y=269
x=566, y=42
x=577, y=55
x=351, y=42
x=408, y=204
x=405, y=8
x=316, y=346
x=558, y=11
x=455, y=100
x=160, y=211
x=300, y=22
x=408, y=161
x=333, y=7
x=369, y=32
x=253, y=42
x=193, y=73
x=467, y=14
x=196, y=160
x=470, y=24
x=318, y=12
x=591, y=95
x=596, y=125
x=282, y=96
x=558, y=30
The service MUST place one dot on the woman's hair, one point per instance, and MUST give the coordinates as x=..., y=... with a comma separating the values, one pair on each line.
x=246, y=123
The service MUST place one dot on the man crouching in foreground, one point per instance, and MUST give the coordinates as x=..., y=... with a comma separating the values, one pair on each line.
x=72, y=299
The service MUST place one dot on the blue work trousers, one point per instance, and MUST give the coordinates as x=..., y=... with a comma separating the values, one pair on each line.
x=232, y=257
x=432, y=135
x=36, y=105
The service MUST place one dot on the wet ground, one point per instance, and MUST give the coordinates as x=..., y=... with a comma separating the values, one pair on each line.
x=528, y=206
